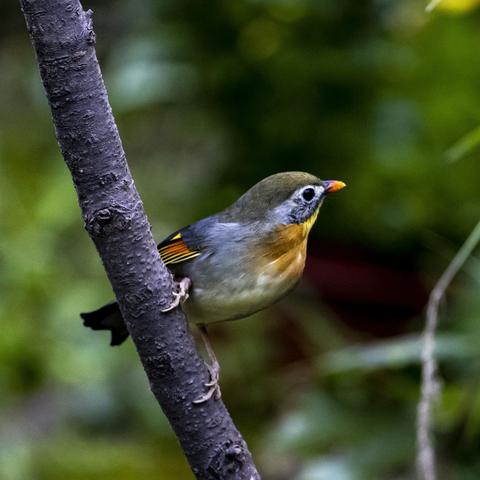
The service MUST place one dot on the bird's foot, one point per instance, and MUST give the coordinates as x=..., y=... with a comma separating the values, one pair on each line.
x=181, y=295
x=212, y=384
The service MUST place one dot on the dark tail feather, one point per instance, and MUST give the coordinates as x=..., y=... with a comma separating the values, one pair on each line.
x=107, y=317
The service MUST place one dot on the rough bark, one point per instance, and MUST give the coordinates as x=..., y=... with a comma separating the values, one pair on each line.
x=63, y=37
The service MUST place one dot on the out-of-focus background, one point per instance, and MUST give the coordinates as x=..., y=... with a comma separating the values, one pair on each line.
x=210, y=97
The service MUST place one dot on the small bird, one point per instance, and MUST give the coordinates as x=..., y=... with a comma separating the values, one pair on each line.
x=238, y=261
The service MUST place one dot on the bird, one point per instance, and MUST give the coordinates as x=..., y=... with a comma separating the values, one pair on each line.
x=236, y=262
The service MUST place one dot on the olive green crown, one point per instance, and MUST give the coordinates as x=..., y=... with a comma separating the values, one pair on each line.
x=268, y=194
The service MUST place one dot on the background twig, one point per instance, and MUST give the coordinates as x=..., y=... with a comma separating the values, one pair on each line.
x=432, y=5
x=429, y=389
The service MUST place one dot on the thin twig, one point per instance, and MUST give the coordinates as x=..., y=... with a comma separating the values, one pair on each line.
x=432, y=5
x=429, y=389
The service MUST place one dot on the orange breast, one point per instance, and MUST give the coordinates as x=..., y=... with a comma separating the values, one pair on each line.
x=283, y=252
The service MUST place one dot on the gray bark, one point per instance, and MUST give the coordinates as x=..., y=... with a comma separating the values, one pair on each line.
x=63, y=37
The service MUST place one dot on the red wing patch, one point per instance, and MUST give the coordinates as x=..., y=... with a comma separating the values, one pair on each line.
x=175, y=250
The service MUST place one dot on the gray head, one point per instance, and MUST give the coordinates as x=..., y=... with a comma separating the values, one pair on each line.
x=287, y=197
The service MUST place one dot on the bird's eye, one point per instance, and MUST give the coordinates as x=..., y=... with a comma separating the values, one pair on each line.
x=308, y=194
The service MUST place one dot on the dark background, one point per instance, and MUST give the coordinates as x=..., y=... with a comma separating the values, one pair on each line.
x=210, y=97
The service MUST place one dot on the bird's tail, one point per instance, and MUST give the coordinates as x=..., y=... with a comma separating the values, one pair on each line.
x=107, y=317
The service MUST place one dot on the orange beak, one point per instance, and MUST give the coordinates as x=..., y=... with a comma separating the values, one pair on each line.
x=333, y=185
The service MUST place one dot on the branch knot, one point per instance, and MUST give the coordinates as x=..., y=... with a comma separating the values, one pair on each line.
x=90, y=34
x=106, y=220
x=228, y=460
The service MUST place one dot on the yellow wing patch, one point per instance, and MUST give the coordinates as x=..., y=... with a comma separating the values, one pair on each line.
x=175, y=250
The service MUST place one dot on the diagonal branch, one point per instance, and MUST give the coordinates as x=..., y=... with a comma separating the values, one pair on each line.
x=63, y=37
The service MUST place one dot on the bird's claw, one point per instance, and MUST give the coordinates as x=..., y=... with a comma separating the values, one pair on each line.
x=212, y=385
x=181, y=295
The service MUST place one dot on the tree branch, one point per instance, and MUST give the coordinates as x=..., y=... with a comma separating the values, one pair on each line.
x=63, y=37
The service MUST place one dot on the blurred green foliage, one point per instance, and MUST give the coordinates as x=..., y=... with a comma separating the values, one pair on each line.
x=210, y=97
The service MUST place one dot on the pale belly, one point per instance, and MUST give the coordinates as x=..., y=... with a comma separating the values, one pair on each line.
x=243, y=294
